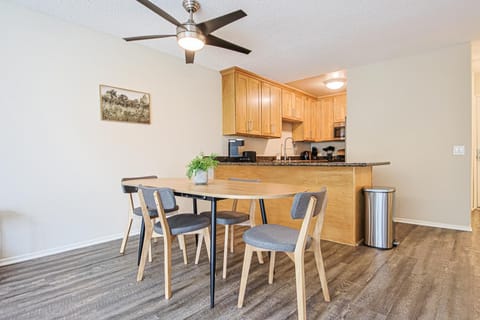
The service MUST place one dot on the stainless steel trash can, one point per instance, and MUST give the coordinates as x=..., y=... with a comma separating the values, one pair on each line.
x=379, y=230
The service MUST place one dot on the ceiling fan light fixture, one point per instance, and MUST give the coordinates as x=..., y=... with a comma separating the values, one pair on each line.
x=191, y=41
x=335, y=83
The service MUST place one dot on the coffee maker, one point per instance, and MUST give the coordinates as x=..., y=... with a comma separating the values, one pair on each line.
x=314, y=153
x=233, y=145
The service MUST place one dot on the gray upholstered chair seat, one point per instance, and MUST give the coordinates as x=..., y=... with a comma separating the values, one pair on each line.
x=227, y=217
x=152, y=212
x=273, y=237
x=183, y=223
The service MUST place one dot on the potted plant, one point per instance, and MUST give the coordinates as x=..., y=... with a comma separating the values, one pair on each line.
x=198, y=168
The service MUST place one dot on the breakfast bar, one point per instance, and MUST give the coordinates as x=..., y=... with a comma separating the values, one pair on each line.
x=344, y=217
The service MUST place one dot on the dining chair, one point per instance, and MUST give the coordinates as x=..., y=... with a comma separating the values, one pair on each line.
x=309, y=206
x=230, y=218
x=168, y=228
x=137, y=211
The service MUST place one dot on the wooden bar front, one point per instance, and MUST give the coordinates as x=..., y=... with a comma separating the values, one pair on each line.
x=344, y=218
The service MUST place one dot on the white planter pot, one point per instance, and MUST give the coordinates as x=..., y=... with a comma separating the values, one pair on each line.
x=200, y=177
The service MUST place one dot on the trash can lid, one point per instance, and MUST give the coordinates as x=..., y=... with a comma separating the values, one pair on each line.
x=379, y=189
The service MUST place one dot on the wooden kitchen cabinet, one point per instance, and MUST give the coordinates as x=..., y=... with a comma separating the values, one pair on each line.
x=250, y=106
x=292, y=106
x=247, y=100
x=326, y=118
x=271, y=105
x=339, y=108
x=307, y=130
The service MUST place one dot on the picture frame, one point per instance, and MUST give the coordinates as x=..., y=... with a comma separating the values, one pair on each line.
x=125, y=105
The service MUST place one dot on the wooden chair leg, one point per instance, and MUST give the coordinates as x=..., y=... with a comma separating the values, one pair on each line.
x=271, y=267
x=143, y=259
x=125, y=236
x=167, y=241
x=317, y=252
x=150, y=252
x=232, y=237
x=199, y=247
x=260, y=257
x=225, y=253
x=181, y=243
x=206, y=237
x=245, y=270
x=300, y=284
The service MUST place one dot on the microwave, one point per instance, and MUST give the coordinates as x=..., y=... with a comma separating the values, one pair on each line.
x=339, y=131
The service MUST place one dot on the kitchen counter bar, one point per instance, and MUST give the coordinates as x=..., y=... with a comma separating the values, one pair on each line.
x=309, y=163
x=344, y=217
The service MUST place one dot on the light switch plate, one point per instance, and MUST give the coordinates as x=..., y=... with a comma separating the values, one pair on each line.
x=458, y=150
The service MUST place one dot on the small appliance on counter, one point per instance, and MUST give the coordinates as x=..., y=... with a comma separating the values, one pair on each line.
x=305, y=155
x=249, y=156
x=314, y=155
x=329, y=150
x=339, y=130
x=233, y=145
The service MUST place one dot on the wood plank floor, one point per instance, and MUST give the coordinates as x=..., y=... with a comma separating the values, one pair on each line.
x=433, y=274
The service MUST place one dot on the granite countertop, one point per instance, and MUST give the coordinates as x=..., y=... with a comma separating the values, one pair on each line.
x=310, y=163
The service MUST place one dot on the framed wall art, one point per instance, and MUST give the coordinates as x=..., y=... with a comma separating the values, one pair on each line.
x=118, y=104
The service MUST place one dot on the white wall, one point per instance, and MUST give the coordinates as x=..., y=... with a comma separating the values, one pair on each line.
x=411, y=111
x=61, y=165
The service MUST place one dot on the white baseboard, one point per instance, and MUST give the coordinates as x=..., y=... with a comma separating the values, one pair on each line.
x=433, y=224
x=44, y=253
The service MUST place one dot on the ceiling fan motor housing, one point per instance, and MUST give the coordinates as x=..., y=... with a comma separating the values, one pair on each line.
x=191, y=6
x=190, y=30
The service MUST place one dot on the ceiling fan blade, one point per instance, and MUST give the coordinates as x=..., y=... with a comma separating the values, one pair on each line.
x=160, y=12
x=189, y=56
x=153, y=36
x=209, y=26
x=217, y=42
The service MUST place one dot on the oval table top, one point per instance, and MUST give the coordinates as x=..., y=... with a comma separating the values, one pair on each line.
x=218, y=188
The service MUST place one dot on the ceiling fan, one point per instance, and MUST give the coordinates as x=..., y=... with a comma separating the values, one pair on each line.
x=193, y=36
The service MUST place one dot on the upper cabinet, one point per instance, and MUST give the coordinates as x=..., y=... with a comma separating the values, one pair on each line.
x=326, y=118
x=339, y=108
x=251, y=106
x=292, y=106
x=255, y=106
x=308, y=129
x=271, y=103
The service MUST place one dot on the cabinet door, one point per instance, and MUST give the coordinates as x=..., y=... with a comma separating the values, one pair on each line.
x=326, y=109
x=254, y=110
x=339, y=108
x=317, y=121
x=248, y=109
x=308, y=119
x=271, y=124
x=298, y=108
x=241, y=101
x=287, y=103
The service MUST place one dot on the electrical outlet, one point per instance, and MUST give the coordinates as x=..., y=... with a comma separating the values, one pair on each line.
x=458, y=150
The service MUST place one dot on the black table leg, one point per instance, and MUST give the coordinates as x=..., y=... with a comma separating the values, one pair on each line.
x=140, y=241
x=195, y=212
x=262, y=210
x=213, y=250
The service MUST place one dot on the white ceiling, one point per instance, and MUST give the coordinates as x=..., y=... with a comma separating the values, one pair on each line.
x=290, y=40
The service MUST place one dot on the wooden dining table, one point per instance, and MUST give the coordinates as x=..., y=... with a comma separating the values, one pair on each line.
x=217, y=190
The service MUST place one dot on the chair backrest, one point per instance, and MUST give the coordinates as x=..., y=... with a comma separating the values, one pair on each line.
x=132, y=189
x=166, y=195
x=307, y=205
x=301, y=200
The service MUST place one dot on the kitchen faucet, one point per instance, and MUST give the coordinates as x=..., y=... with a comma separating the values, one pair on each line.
x=285, y=147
